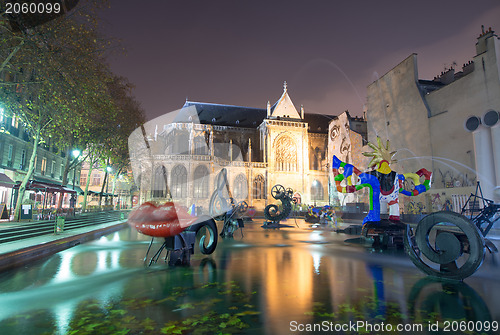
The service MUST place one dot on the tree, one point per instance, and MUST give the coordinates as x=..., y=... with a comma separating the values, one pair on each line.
x=128, y=116
x=93, y=155
x=50, y=77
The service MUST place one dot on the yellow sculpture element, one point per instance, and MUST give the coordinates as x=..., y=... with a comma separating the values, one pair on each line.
x=413, y=176
x=379, y=155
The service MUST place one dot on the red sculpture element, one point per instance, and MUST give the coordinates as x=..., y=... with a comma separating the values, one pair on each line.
x=160, y=221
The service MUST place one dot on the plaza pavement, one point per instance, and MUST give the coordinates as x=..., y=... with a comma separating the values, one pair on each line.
x=18, y=253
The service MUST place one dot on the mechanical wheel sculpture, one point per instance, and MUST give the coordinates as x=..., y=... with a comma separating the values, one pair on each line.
x=446, y=245
x=273, y=212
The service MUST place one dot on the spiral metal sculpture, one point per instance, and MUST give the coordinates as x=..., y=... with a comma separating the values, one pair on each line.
x=273, y=212
x=453, y=247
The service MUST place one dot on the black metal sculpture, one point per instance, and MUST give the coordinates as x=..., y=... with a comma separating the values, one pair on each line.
x=453, y=244
x=273, y=213
x=177, y=227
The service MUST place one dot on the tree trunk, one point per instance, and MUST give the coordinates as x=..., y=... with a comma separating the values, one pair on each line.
x=7, y=60
x=113, y=189
x=65, y=178
x=102, y=188
x=114, y=184
x=84, y=205
x=27, y=177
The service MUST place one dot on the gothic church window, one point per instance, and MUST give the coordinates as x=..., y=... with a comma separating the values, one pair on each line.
x=178, y=143
x=179, y=182
x=240, y=187
x=286, y=154
x=259, y=187
x=200, y=146
x=200, y=182
x=317, y=191
x=160, y=182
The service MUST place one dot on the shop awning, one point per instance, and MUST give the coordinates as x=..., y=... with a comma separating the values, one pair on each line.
x=5, y=181
x=77, y=188
x=44, y=187
x=104, y=194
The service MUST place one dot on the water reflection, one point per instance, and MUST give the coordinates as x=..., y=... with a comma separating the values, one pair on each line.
x=260, y=282
x=430, y=299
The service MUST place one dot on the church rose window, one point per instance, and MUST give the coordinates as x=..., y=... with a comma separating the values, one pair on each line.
x=286, y=154
x=179, y=182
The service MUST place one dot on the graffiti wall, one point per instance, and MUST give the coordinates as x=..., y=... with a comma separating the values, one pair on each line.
x=347, y=145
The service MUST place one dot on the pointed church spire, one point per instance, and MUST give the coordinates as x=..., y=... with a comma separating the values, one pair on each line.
x=284, y=86
x=268, y=109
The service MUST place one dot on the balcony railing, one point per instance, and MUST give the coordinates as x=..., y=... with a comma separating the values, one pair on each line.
x=208, y=158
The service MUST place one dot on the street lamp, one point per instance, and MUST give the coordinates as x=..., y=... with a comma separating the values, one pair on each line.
x=76, y=153
x=108, y=171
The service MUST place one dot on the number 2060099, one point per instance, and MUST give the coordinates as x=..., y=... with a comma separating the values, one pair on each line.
x=32, y=8
x=472, y=326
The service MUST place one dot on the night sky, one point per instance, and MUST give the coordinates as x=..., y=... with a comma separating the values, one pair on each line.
x=239, y=52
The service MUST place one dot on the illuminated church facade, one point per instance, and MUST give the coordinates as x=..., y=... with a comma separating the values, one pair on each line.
x=178, y=155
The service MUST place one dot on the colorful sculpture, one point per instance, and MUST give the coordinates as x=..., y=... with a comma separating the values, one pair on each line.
x=325, y=214
x=383, y=183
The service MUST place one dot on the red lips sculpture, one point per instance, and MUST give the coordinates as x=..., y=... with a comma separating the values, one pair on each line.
x=160, y=221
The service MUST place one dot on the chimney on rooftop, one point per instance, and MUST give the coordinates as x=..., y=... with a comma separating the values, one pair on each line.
x=447, y=76
x=481, y=45
x=468, y=68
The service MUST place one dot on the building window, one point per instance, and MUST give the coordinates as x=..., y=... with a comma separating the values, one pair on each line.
x=179, y=182
x=61, y=170
x=178, y=143
x=83, y=178
x=240, y=187
x=160, y=182
x=286, y=154
x=43, y=167
x=53, y=169
x=317, y=191
x=200, y=146
x=15, y=121
x=200, y=184
x=96, y=179
x=10, y=155
x=22, y=163
x=317, y=156
x=259, y=187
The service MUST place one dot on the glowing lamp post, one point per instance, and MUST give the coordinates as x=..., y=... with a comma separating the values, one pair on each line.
x=109, y=169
